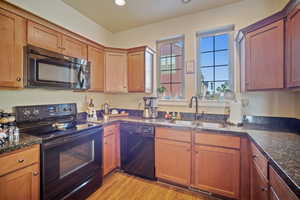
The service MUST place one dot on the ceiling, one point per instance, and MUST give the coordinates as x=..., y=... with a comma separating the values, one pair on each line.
x=139, y=12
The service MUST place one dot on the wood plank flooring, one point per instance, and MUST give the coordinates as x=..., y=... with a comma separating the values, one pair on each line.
x=120, y=186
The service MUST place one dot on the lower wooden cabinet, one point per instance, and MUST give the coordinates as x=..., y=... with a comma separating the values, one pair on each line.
x=173, y=161
x=21, y=184
x=278, y=188
x=109, y=152
x=20, y=174
x=259, y=185
x=217, y=170
x=111, y=148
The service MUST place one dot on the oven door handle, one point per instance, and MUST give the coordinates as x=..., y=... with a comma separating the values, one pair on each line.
x=71, y=138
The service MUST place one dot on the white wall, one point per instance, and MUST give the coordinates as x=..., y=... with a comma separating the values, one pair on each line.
x=59, y=13
x=240, y=14
x=11, y=98
x=62, y=14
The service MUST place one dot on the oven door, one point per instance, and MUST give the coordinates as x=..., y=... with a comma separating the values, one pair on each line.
x=70, y=163
x=58, y=73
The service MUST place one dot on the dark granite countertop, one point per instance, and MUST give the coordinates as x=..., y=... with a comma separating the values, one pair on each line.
x=24, y=141
x=281, y=148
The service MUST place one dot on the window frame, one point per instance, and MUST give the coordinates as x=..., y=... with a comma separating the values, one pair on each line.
x=158, y=45
x=215, y=32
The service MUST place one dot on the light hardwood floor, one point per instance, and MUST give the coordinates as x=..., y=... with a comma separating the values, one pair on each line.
x=120, y=186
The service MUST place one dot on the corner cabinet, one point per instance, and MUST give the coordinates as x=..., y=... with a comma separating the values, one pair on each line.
x=140, y=70
x=13, y=39
x=115, y=71
x=264, y=56
x=292, y=48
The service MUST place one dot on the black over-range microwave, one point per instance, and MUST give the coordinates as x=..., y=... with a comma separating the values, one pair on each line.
x=47, y=69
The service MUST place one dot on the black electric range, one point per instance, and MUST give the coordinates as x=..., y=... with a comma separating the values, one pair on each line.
x=71, y=151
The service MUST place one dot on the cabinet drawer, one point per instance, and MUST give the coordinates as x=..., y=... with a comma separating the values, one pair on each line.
x=218, y=140
x=19, y=159
x=173, y=134
x=259, y=160
x=280, y=188
x=109, y=130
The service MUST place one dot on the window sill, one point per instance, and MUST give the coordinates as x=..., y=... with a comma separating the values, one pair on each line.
x=173, y=102
x=202, y=103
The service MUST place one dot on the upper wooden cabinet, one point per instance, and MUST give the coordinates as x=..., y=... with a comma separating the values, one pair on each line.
x=13, y=39
x=293, y=48
x=96, y=57
x=140, y=70
x=74, y=48
x=115, y=71
x=46, y=38
x=265, y=58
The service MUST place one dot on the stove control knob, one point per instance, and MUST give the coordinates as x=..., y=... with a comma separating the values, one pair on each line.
x=26, y=113
x=36, y=112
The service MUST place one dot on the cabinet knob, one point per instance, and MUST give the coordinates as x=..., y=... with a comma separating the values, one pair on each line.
x=264, y=189
x=254, y=156
x=18, y=79
x=21, y=161
x=188, y=150
x=35, y=173
x=196, y=152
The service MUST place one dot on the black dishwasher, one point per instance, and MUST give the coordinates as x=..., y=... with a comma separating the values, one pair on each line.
x=137, y=150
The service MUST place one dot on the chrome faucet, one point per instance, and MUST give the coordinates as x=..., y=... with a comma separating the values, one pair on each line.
x=191, y=105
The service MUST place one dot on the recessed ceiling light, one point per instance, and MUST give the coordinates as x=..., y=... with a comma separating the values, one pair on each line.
x=186, y=1
x=120, y=2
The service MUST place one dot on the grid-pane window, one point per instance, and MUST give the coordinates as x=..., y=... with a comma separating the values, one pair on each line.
x=214, y=63
x=171, y=67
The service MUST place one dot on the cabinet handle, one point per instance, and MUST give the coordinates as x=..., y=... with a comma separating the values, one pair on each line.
x=21, y=161
x=254, y=156
x=196, y=152
x=18, y=79
x=264, y=189
x=35, y=173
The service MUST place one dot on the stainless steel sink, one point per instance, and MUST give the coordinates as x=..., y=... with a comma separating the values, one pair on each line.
x=183, y=123
x=204, y=124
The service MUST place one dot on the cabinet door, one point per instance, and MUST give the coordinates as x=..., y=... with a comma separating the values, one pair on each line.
x=13, y=39
x=115, y=72
x=22, y=184
x=259, y=185
x=43, y=37
x=96, y=57
x=293, y=48
x=136, y=72
x=217, y=170
x=74, y=48
x=173, y=161
x=149, y=55
x=265, y=57
x=109, y=154
x=118, y=146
